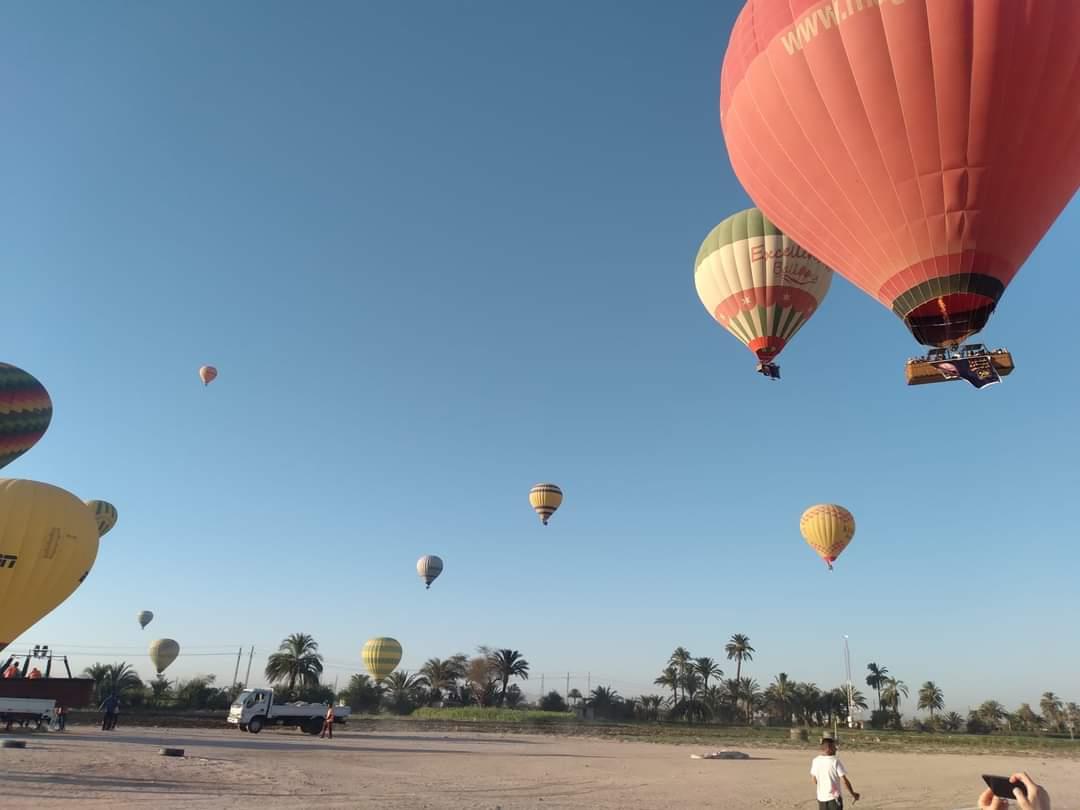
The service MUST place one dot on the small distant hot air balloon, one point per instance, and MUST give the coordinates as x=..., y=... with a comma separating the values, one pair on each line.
x=545, y=499
x=827, y=529
x=105, y=514
x=429, y=567
x=145, y=617
x=381, y=655
x=758, y=284
x=48, y=543
x=25, y=412
x=207, y=374
x=163, y=652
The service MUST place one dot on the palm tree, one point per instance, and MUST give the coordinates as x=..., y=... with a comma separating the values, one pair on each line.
x=1027, y=718
x=992, y=713
x=750, y=695
x=442, y=675
x=778, y=696
x=691, y=685
x=876, y=679
x=891, y=693
x=602, y=700
x=669, y=679
x=931, y=697
x=403, y=691
x=707, y=668
x=574, y=695
x=953, y=721
x=806, y=698
x=296, y=661
x=507, y=664
x=113, y=679
x=1051, y=705
x=159, y=690
x=739, y=650
x=680, y=659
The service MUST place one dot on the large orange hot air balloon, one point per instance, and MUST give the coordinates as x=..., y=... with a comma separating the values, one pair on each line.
x=921, y=148
x=207, y=374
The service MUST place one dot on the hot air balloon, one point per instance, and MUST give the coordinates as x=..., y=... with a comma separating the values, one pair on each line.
x=381, y=655
x=429, y=567
x=545, y=499
x=25, y=412
x=207, y=374
x=48, y=543
x=758, y=284
x=162, y=653
x=827, y=529
x=145, y=617
x=105, y=514
x=921, y=149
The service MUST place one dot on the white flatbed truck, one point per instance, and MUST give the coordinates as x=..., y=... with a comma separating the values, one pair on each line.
x=33, y=710
x=255, y=709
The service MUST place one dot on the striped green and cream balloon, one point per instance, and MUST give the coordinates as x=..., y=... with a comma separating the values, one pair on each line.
x=25, y=412
x=105, y=514
x=757, y=283
x=545, y=499
x=381, y=656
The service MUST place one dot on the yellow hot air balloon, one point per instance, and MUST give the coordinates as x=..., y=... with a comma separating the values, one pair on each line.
x=163, y=652
x=48, y=543
x=545, y=499
x=758, y=284
x=105, y=514
x=381, y=655
x=827, y=529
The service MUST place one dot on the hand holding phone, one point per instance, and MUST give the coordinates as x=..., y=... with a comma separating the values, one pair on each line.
x=1001, y=787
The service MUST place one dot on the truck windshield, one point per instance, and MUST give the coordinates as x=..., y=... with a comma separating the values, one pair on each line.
x=241, y=698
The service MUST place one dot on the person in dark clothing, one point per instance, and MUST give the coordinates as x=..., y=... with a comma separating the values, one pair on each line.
x=109, y=706
x=61, y=717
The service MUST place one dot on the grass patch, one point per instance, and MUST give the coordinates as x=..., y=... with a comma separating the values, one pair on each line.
x=476, y=714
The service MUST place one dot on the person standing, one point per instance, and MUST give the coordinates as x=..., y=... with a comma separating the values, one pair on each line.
x=13, y=669
x=828, y=771
x=328, y=723
x=109, y=706
x=61, y=717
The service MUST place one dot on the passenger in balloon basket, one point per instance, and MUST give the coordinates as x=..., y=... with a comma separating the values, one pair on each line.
x=770, y=370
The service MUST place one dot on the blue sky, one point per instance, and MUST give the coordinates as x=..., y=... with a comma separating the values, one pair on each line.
x=440, y=252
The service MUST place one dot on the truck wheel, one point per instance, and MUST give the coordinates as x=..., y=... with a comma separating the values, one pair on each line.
x=255, y=725
x=313, y=726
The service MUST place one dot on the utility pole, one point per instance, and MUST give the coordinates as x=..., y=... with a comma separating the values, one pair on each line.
x=588, y=684
x=251, y=655
x=236, y=672
x=567, y=687
x=542, y=693
x=850, y=686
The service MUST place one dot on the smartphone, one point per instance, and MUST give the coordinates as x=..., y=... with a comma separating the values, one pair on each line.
x=1002, y=787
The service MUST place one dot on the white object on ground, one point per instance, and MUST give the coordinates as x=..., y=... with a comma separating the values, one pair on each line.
x=725, y=754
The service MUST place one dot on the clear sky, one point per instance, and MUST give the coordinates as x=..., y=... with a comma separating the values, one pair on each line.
x=440, y=252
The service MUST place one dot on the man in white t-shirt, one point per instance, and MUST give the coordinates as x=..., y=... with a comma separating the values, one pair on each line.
x=827, y=771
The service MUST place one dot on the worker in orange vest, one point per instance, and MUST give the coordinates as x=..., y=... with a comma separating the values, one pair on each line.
x=35, y=673
x=12, y=671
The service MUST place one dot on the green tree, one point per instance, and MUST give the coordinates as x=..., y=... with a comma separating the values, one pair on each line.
x=891, y=692
x=991, y=713
x=196, y=692
x=1051, y=706
x=507, y=664
x=778, y=697
x=707, y=668
x=296, y=661
x=603, y=701
x=404, y=692
x=514, y=696
x=876, y=680
x=114, y=679
x=1026, y=717
x=738, y=649
x=931, y=698
x=553, y=702
x=362, y=694
x=953, y=722
x=680, y=659
x=443, y=675
x=574, y=696
x=160, y=691
x=750, y=696
x=669, y=679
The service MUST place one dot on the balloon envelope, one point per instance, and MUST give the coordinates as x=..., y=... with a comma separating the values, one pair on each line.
x=105, y=514
x=757, y=283
x=545, y=499
x=429, y=567
x=48, y=543
x=145, y=617
x=207, y=374
x=25, y=412
x=827, y=529
x=381, y=655
x=921, y=149
x=163, y=652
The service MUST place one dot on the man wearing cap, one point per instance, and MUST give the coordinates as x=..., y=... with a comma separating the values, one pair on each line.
x=828, y=771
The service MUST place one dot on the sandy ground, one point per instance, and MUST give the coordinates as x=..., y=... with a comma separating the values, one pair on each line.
x=283, y=768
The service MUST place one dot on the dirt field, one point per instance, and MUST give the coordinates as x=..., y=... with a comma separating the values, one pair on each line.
x=280, y=768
